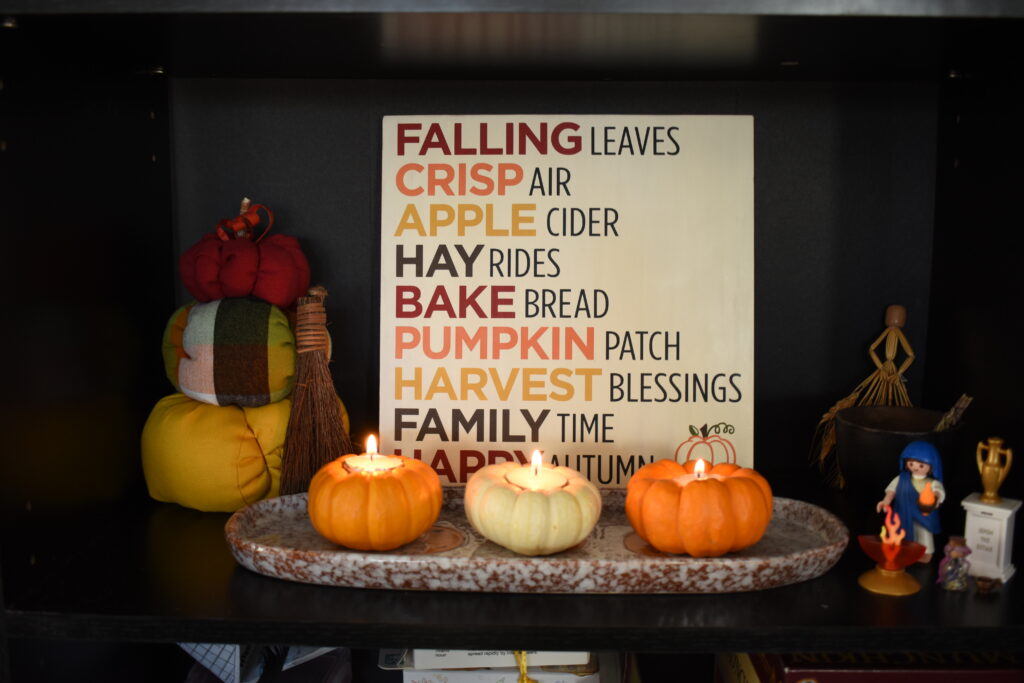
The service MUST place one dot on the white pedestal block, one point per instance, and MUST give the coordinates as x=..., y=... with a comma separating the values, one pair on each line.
x=989, y=534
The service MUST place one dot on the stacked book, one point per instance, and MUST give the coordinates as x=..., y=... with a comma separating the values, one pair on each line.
x=887, y=667
x=500, y=666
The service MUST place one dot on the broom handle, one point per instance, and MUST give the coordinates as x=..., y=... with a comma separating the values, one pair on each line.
x=311, y=322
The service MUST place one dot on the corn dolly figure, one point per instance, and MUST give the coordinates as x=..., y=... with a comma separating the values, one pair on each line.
x=883, y=387
x=920, y=466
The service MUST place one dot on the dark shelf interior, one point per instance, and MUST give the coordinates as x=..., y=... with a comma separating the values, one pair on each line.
x=888, y=163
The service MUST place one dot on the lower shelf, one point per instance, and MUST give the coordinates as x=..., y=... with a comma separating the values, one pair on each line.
x=162, y=573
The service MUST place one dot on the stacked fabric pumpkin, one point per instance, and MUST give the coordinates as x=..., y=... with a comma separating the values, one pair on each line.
x=217, y=443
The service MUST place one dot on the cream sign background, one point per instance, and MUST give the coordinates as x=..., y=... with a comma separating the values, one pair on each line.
x=582, y=285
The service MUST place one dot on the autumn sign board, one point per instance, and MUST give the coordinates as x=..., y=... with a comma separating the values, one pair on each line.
x=580, y=285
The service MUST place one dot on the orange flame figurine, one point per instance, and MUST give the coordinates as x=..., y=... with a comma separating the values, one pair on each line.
x=892, y=538
x=892, y=552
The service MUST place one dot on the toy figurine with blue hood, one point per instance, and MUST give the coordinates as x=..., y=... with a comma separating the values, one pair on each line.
x=915, y=493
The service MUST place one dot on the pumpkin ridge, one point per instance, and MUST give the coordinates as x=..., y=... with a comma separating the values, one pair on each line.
x=709, y=532
x=238, y=457
x=590, y=509
x=524, y=516
x=557, y=507
x=425, y=493
x=658, y=508
x=582, y=516
x=347, y=516
x=406, y=503
x=379, y=500
x=739, y=503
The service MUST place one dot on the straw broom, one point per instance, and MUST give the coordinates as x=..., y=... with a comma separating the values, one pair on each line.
x=316, y=435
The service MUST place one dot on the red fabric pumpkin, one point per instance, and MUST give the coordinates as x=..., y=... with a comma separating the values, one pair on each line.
x=232, y=262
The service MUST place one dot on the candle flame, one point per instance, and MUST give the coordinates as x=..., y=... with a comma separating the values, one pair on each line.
x=927, y=496
x=371, y=445
x=535, y=460
x=698, y=469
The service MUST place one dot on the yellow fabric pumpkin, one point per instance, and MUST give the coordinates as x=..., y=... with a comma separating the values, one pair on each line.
x=214, y=458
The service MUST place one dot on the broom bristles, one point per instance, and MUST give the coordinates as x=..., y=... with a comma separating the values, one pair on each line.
x=316, y=434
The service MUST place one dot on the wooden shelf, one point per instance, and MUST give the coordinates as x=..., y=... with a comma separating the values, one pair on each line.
x=529, y=40
x=163, y=573
x=893, y=8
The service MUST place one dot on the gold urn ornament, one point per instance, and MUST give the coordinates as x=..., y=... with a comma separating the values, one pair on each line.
x=993, y=468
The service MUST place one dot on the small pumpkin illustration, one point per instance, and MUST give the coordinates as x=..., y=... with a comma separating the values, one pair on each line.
x=707, y=443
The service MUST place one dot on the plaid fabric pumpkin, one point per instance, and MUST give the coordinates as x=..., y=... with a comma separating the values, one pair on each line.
x=230, y=352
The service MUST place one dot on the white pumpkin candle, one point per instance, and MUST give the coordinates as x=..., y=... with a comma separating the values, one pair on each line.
x=532, y=511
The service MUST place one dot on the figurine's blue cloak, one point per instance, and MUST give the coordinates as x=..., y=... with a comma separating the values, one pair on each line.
x=905, y=502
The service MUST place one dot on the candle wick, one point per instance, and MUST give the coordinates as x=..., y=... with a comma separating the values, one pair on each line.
x=536, y=470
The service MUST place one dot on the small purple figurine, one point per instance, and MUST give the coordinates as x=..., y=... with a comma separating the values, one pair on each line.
x=953, y=567
x=920, y=466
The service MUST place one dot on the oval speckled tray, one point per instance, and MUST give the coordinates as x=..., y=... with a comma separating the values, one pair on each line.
x=274, y=537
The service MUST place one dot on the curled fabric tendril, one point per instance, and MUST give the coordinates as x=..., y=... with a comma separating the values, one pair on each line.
x=243, y=225
x=521, y=661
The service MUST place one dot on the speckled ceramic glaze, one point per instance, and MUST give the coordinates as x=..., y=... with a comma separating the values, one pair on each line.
x=274, y=537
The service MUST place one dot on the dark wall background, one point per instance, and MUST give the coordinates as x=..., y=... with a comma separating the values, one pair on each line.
x=844, y=201
x=85, y=218
x=978, y=319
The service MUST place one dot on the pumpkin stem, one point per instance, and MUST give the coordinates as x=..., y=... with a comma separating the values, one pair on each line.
x=243, y=226
x=704, y=430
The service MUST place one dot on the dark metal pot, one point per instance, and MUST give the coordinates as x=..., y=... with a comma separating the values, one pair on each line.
x=869, y=440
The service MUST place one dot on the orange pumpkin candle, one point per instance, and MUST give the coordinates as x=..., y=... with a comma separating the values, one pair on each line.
x=374, y=502
x=698, y=510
